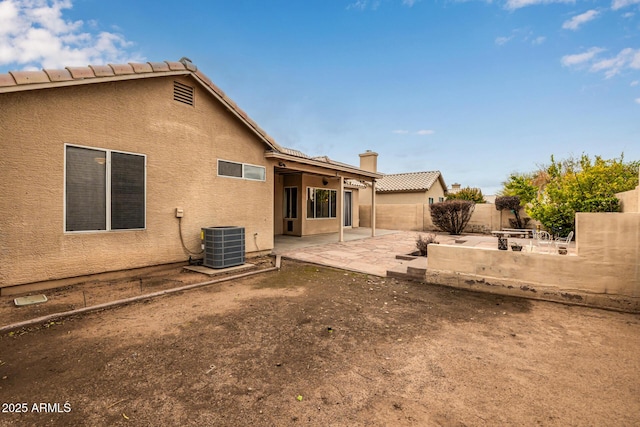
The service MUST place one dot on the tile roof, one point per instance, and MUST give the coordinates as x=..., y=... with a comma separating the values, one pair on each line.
x=412, y=181
x=47, y=78
x=295, y=153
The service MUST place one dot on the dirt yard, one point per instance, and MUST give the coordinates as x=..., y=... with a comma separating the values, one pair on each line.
x=314, y=346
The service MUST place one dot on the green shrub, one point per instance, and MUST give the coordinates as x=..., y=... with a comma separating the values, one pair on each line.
x=468, y=193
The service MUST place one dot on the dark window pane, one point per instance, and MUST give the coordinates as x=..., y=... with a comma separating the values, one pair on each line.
x=333, y=203
x=310, y=202
x=127, y=191
x=254, y=172
x=229, y=169
x=294, y=202
x=291, y=202
x=85, y=189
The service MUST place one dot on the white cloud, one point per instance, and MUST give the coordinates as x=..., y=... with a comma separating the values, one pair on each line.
x=628, y=15
x=364, y=4
x=538, y=40
x=502, y=40
x=517, y=4
x=580, y=58
x=638, y=100
x=35, y=34
x=634, y=83
x=578, y=20
x=420, y=132
x=359, y=4
x=627, y=58
x=619, y=4
x=409, y=3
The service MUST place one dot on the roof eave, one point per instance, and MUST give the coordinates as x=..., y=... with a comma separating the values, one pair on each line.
x=106, y=79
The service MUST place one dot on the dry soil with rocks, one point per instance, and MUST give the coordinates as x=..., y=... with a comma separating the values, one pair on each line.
x=308, y=345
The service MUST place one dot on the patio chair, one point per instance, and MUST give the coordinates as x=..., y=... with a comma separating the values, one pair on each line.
x=543, y=240
x=563, y=242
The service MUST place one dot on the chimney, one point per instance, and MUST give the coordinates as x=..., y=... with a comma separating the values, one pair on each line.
x=369, y=161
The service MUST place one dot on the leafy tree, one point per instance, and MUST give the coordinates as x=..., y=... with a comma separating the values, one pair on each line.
x=468, y=193
x=522, y=186
x=574, y=185
x=452, y=216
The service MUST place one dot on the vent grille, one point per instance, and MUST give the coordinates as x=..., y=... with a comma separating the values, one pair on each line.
x=182, y=93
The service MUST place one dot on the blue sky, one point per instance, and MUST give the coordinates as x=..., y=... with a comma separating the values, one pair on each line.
x=475, y=89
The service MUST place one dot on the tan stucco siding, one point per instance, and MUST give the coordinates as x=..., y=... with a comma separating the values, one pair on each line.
x=182, y=145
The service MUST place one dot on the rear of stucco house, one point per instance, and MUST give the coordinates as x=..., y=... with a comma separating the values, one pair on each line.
x=96, y=160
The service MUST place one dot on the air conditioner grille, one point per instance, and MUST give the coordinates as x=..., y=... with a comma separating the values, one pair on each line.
x=223, y=246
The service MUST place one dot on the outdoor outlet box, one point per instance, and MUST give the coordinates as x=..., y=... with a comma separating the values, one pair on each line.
x=179, y=212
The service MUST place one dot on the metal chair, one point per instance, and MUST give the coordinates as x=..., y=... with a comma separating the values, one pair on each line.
x=543, y=240
x=563, y=242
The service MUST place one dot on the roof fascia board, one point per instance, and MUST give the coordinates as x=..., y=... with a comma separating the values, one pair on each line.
x=76, y=82
x=356, y=173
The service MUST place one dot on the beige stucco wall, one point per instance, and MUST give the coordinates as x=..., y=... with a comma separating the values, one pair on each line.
x=606, y=270
x=412, y=217
x=182, y=145
x=629, y=201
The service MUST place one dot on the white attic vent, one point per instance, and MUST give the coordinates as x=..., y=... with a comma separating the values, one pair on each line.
x=182, y=93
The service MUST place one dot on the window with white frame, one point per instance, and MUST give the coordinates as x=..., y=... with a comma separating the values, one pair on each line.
x=441, y=199
x=321, y=203
x=241, y=170
x=291, y=202
x=104, y=189
x=430, y=200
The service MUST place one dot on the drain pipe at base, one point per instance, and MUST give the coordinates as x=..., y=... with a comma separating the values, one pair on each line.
x=111, y=304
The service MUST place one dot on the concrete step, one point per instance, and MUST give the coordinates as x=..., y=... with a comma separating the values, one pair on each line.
x=411, y=270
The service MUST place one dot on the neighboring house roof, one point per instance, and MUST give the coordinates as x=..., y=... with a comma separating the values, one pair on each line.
x=411, y=181
x=16, y=81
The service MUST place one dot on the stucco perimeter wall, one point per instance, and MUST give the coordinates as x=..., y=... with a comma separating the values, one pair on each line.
x=182, y=144
x=605, y=273
x=630, y=201
x=417, y=217
x=410, y=217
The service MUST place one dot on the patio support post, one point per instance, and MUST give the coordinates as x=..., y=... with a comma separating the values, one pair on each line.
x=341, y=214
x=373, y=208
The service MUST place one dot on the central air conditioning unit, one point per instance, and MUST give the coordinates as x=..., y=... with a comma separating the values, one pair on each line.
x=223, y=246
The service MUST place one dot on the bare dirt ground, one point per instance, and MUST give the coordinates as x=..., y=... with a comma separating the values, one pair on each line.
x=259, y=351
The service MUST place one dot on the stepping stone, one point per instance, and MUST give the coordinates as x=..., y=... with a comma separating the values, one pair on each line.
x=31, y=299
